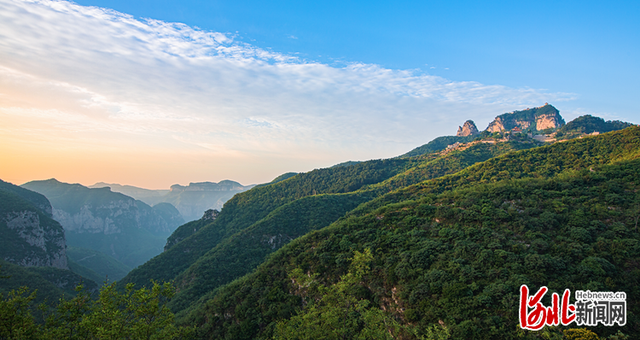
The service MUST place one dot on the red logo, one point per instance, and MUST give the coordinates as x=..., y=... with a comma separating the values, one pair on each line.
x=534, y=315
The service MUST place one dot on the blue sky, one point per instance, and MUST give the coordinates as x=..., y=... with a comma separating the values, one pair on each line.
x=590, y=48
x=154, y=93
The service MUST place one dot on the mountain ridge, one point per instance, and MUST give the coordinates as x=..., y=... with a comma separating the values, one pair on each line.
x=112, y=223
x=191, y=200
x=413, y=225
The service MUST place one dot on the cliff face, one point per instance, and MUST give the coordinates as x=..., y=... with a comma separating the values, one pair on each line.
x=112, y=223
x=111, y=218
x=225, y=185
x=469, y=128
x=538, y=118
x=549, y=121
x=196, y=198
x=28, y=236
x=43, y=246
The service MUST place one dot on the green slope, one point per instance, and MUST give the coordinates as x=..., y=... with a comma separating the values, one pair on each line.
x=104, y=266
x=247, y=208
x=85, y=272
x=239, y=253
x=438, y=144
x=51, y=283
x=540, y=162
x=587, y=124
x=457, y=248
x=38, y=200
x=184, y=231
x=245, y=250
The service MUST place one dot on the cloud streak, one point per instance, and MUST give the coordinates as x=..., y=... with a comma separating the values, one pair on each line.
x=89, y=70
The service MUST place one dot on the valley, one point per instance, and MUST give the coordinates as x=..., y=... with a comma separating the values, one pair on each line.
x=434, y=243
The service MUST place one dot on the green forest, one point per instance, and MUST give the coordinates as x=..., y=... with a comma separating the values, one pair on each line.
x=454, y=250
x=434, y=244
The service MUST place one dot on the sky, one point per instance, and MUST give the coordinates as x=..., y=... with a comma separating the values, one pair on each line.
x=155, y=93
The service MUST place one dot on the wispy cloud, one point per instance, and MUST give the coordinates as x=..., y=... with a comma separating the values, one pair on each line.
x=94, y=69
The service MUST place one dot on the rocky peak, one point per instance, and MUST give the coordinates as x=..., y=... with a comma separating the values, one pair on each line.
x=538, y=118
x=467, y=129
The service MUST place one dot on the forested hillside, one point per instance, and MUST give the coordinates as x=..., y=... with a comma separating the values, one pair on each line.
x=454, y=250
x=249, y=207
x=256, y=223
x=435, y=245
x=589, y=124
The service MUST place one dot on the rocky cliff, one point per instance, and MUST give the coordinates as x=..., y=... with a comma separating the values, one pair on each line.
x=29, y=237
x=196, y=198
x=112, y=217
x=126, y=229
x=467, y=129
x=190, y=200
x=538, y=118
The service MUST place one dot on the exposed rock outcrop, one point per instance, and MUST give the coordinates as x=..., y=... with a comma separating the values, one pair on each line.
x=210, y=215
x=114, y=224
x=111, y=218
x=538, y=118
x=28, y=236
x=549, y=121
x=467, y=129
x=45, y=245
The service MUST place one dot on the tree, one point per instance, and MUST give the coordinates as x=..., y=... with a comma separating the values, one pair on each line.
x=16, y=321
x=334, y=312
x=134, y=314
x=66, y=321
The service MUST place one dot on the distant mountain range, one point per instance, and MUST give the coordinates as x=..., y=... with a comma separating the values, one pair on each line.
x=191, y=201
x=433, y=243
x=128, y=230
x=454, y=228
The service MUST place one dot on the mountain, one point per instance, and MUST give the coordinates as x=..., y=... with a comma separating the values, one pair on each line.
x=588, y=124
x=117, y=225
x=536, y=119
x=194, y=199
x=452, y=251
x=37, y=200
x=248, y=207
x=33, y=247
x=30, y=237
x=191, y=200
x=150, y=197
x=234, y=272
x=467, y=129
x=432, y=244
x=258, y=222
